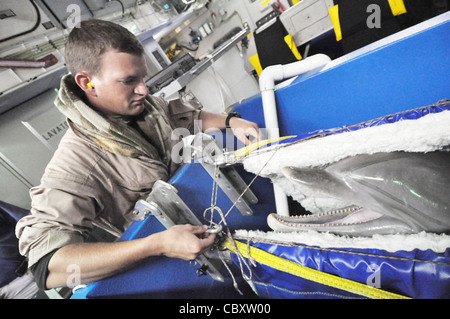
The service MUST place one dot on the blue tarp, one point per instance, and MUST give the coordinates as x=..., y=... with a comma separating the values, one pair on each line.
x=401, y=116
x=415, y=274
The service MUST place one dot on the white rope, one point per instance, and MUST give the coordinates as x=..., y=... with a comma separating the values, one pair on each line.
x=214, y=208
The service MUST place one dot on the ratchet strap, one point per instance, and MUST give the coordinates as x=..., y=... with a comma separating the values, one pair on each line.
x=301, y=271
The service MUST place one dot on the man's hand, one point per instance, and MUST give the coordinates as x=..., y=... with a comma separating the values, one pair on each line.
x=244, y=129
x=241, y=128
x=185, y=241
x=101, y=260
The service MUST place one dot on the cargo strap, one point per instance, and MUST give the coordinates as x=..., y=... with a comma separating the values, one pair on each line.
x=301, y=271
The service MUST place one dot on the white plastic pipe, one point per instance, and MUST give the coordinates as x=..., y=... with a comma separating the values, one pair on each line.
x=267, y=80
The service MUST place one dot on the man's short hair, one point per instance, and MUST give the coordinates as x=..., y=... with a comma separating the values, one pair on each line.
x=86, y=44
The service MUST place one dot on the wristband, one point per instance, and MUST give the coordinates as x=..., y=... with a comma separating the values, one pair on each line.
x=229, y=116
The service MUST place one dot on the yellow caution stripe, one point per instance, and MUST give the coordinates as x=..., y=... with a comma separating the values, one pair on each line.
x=397, y=7
x=292, y=46
x=298, y=270
x=334, y=15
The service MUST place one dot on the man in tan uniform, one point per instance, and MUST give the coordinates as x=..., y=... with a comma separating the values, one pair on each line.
x=118, y=144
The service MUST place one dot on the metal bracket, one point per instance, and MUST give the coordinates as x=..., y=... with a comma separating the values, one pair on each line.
x=206, y=151
x=170, y=210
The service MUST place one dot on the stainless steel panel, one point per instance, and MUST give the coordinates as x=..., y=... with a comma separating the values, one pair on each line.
x=29, y=135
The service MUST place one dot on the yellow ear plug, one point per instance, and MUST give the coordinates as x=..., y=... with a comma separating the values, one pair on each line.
x=89, y=85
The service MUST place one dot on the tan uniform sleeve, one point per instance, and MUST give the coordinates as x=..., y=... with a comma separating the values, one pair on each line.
x=57, y=219
x=66, y=207
x=183, y=112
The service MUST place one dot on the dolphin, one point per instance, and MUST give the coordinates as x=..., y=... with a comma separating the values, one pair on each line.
x=391, y=193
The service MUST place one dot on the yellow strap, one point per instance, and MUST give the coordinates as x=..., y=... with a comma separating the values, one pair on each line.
x=298, y=270
x=291, y=44
x=254, y=60
x=397, y=7
x=334, y=14
x=250, y=148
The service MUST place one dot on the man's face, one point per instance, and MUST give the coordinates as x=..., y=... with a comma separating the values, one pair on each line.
x=119, y=87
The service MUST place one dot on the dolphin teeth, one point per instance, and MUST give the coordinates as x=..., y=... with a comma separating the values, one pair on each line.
x=353, y=221
x=296, y=219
